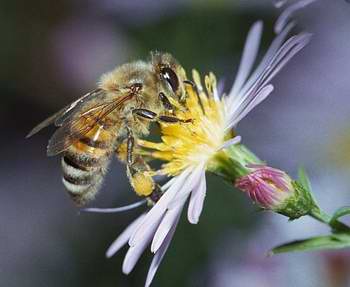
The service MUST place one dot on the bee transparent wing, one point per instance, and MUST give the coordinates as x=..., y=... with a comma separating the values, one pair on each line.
x=69, y=133
x=66, y=113
x=96, y=95
x=76, y=127
x=50, y=120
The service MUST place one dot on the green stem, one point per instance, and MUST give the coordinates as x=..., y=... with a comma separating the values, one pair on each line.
x=319, y=215
x=232, y=163
x=323, y=217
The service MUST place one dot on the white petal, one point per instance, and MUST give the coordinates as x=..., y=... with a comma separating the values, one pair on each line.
x=250, y=51
x=123, y=238
x=271, y=52
x=160, y=254
x=176, y=205
x=134, y=253
x=235, y=101
x=115, y=209
x=196, y=202
x=226, y=144
x=219, y=91
x=262, y=95
x=190, y=182
x=153, y=217
x=280, y=3
x=170, y=218
x=168, y=184
x=286, y=14
x=288, y=50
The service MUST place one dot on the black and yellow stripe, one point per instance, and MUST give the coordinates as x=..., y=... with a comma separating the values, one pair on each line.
x=84, y=164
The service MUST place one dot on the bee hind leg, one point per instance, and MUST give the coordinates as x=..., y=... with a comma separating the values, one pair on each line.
x=138, y=172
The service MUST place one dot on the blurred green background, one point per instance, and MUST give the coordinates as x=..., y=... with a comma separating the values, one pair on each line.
x=53, y=52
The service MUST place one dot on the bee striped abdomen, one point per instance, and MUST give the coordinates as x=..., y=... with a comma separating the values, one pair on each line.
x=85, y=163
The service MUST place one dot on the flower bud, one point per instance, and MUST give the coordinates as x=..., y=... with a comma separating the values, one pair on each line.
x=274, y=190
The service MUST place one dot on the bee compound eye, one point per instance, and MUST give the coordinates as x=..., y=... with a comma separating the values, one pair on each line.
x=170, y=76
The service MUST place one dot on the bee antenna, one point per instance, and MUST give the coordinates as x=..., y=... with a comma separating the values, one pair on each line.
x=115, y=209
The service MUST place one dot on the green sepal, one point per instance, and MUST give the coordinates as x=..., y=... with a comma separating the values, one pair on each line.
x=333, y=241
x=304, y=179
x=232, y=162
x=298, y=204
x=342, y=211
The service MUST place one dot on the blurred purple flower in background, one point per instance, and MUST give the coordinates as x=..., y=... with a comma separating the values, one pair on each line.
x=83, y=49
x=141, y=12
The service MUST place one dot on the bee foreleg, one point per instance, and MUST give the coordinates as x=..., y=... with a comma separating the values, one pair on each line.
x=147, y=114
x=144, y=113
x=165, y=102
x=167, y=119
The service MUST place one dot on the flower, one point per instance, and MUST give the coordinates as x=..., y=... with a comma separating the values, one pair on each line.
x=266, y=186
x=192, y=148
x=201, y=144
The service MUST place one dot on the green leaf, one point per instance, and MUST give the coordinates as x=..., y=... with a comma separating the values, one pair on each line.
x=304, y=179
x=334, y=241
x=345, y=210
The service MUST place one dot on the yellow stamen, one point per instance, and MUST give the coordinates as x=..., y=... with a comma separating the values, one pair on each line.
x=195, y=142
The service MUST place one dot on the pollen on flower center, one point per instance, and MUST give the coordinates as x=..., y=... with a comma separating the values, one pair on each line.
x=199, y=138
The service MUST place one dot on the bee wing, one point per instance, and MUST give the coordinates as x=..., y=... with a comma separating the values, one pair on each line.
x=76, y=127
x=66, y=113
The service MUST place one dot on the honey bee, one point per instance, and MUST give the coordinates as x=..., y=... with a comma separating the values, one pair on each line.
x=110, y=119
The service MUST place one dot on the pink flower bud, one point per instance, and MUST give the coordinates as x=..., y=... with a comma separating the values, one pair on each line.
x=266, y=186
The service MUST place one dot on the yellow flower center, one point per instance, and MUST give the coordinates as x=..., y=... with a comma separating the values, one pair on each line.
x=196, y=140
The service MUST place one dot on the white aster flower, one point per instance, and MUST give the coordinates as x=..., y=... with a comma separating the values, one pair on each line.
x=190, y=149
